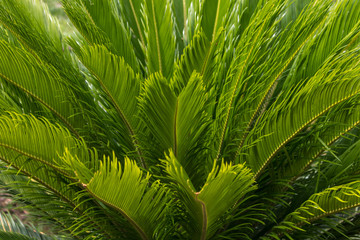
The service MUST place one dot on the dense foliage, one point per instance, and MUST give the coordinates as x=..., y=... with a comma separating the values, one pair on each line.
x=192, y=119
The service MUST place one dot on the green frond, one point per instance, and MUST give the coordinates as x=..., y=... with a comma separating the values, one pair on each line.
x=198, y=56
x=160, y=42
x=100, y=23
x=344, y=15
x=213, y=14
x=335, y=124
x=34, y=147
x=225, y=186
x=25, y=18
x=38, y=200
x=131, y=14
x=338, y=86
x=39, y=139
x=37, y=79
x=249, y=47
x=121, y=86
x=242, y=116
x=7, y=103
x=159, y=119
x=38, y=34
x=47, y=162
x=246, y=9
x=186, y=21
x=349, y=165
x=178, y=123
x=319, y=205
x=259, y=88
x=130, y=193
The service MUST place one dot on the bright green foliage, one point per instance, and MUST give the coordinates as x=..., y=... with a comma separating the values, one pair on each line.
x=143, y=208
x=182, y=119
x=160, y=43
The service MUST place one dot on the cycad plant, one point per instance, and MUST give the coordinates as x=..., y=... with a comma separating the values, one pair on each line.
x=192, y=119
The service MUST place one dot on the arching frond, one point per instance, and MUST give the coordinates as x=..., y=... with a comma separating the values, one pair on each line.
x=348, y=167
x=262, y=88
x=100, y=23
x=127, y=191
x=344, y=15
x=301, y=111
x=37, y=79
x=25, y=18
x=338, y=121
x=327, y=202
x=122, y=87
x=254, y=104
x=225, y=186
x=257, y=34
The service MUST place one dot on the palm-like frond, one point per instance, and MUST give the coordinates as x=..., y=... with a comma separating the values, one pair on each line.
x=121, y=86
x=343, y=87
x=178, y=123
x=197, y=57
x=322, y=204
x=48, y=89
x=131, y=14
x=253, y=104
x=207, y=206
x=88, y=17
x=48, y=45
x=144, y=208
x=185, y=20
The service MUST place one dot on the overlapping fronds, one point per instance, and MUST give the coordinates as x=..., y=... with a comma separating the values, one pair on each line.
x=100, y=23
x=335, y=124
x=131, y=14
x=197, y=57
x=19, y=68
x=257, y=34
x=121, y=86
x=240, y=117
x=330, y=81
x=32, y=24
x=319, y=205
x=128, y=191
x=178, y=123
x=224, y=186
x=185, y=20
x=19, y=132
x=43, y=161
